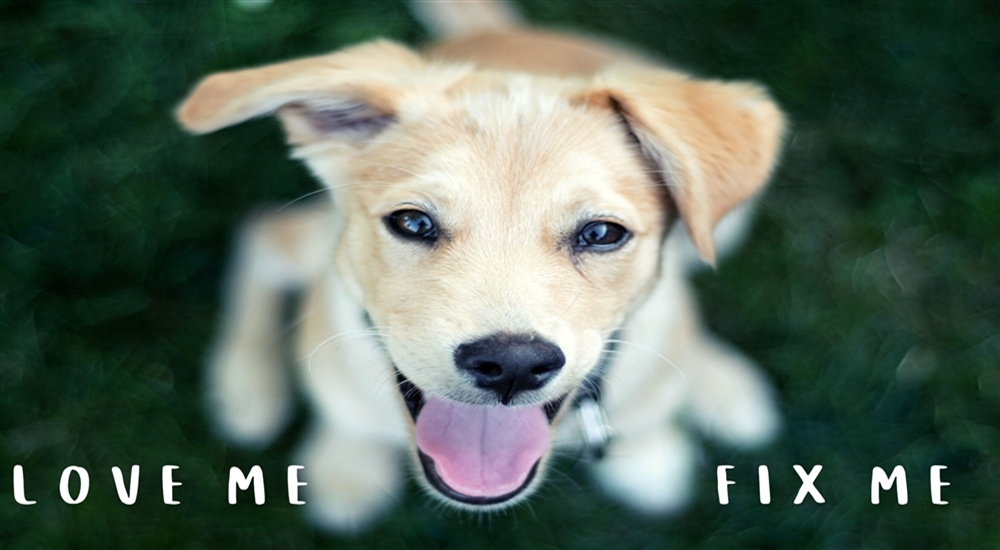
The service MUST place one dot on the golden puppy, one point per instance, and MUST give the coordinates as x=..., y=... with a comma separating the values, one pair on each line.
x=498, y=272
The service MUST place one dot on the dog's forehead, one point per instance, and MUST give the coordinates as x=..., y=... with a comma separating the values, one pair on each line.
x=495, y=150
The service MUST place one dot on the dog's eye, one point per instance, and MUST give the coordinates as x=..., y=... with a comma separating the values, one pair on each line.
x=601, y=237
x=412, y=224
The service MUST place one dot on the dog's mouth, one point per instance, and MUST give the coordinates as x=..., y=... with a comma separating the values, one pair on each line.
x=478, y=455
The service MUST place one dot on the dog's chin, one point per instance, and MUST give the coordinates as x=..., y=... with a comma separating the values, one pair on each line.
x=479, y=457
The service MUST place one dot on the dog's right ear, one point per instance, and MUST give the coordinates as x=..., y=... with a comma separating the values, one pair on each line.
x=349, y=94
x=713, y=143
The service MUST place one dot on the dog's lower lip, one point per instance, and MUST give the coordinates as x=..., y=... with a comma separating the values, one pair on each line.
x=430, y=472
x=414, y=399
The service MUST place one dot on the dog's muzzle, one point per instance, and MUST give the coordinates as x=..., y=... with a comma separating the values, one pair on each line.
x=488, y=455
x=478, y=455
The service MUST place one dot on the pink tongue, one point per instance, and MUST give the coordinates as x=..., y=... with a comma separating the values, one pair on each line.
x=482, y=451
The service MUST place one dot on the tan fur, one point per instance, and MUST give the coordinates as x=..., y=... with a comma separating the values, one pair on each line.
x=509, y=150
x=534, y=52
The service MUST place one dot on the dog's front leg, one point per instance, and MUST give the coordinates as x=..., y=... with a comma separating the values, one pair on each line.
x=652, y=473
x=353, y=478
x=730, y=399
x=249, y=389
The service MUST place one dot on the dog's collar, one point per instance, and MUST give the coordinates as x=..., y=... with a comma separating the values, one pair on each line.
x=590, y=414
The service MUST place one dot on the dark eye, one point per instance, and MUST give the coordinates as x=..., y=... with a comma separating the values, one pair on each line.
x=412, y=224
x=601, y=237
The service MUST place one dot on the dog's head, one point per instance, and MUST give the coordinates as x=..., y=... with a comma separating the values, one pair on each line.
x=498, y=227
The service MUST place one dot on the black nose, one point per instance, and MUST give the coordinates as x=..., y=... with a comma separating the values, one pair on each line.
x=510, y=363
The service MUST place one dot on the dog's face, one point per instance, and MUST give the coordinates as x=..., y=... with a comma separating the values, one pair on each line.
x=509, y=215
x=497, y=241
x=497, y=228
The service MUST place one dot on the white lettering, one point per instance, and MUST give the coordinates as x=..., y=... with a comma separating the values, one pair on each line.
x=64, y=484
x=126, y=496
x=808, y=481
x=19, y=487
x=936, y=485
x=880, y=480
x=764, y=481
x=167, y=477
x=236, y=478
x=724, y=483
x=294, y=484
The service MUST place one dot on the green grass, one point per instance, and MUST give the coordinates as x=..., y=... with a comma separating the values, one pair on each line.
x=870, y=290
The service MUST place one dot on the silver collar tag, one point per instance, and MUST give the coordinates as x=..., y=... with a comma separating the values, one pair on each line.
x=594, y=427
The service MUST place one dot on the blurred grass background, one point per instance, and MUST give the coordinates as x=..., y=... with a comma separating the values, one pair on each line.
x=870, y=290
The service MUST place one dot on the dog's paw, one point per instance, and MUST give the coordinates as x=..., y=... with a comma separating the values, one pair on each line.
x=652, y=474
x=732, y=401
x=249, y=394
x=352, y=481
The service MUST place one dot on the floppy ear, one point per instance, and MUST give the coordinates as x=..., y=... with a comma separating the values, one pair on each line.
x=351, y=93
x=714, y=143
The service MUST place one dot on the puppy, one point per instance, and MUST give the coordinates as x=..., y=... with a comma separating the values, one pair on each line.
x=498, y=272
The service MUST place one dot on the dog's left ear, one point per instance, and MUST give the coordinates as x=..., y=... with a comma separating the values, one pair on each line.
x=714, y=143
x=347, y=95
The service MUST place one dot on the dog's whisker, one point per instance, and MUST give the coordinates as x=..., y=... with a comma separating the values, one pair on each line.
x=565, y=476
x=382, y=380
x=306, y=196
x=294, y=324
x=347, y=333
x=399, y=168
x=568, y=308
x=309, y=359
x=654, y=352
x=409, y=393
x=361, y=184
x=620, y=331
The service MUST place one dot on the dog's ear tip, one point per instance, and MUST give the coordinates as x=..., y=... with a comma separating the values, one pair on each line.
x=187, y=121
x=756, y=98
x=199, y=112
x=188, y=114
x=191, y=122
x=710, y=260
x=192, y=113
x=706, y=249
